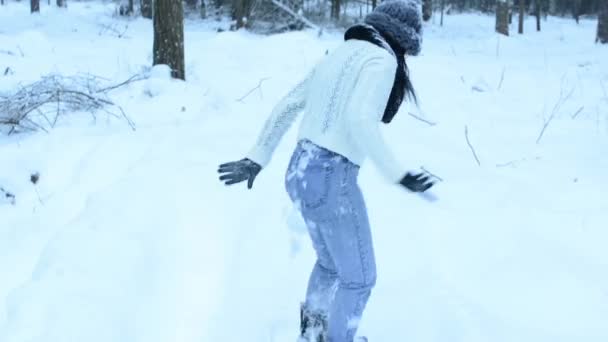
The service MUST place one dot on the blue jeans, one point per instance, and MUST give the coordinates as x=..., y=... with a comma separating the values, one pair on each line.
x=323, y=186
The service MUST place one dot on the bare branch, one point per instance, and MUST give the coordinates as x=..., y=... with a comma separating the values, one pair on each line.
x=430, y=123
x=466, y=135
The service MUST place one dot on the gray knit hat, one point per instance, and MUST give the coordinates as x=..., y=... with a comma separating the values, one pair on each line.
x=400, y=21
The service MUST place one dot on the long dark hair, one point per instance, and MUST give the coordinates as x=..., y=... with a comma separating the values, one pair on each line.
x=402, y=86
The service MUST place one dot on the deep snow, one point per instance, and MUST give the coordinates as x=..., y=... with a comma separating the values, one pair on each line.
x=128, y=236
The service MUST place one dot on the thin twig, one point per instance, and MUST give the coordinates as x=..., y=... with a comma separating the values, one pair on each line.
x=466, y=135
x=38, y=193
x=430, y=123
x=9, y=196
x=555, y=110
x=502, y=78
x=578, y=112
x=254, y=89
x=511, y=163
x=430, y=173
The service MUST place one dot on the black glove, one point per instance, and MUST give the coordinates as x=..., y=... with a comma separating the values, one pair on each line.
x=419, y=182
x=242, y=170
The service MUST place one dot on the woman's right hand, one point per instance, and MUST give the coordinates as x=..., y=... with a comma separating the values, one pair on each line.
x=417, y=182
x=239, y=171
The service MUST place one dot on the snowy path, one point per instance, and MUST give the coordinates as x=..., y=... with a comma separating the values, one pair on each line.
x=134, y=239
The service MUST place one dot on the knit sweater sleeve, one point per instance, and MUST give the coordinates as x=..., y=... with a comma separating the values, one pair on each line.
x=366, y=107
x=280, y=120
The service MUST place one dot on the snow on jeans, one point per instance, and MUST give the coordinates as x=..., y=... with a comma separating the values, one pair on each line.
x=323, y=185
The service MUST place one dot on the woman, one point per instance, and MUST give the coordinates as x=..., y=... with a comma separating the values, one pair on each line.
x=344, y=98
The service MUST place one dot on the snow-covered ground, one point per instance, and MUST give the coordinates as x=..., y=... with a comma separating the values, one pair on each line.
x=129, y=236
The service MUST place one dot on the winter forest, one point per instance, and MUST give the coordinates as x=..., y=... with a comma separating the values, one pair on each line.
x=118, y=118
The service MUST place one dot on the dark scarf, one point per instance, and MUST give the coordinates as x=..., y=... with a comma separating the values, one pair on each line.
x=402, y=86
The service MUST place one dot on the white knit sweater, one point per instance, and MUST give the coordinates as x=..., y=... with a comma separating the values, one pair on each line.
x=343, y=99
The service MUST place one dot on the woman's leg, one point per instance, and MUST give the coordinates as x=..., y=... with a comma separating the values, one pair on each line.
x=349, y=243
x=324, y=275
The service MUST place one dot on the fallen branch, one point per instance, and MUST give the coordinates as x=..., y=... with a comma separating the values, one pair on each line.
x=296, y=15
x=254, y=89
x=466, y=135
x=7, y=52
x=421, y=119
x=39, y=105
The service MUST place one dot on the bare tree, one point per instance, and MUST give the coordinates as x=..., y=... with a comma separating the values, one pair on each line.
x=168, y=45
x=35, y=6
x=427, y=10
x=602, y=24
x=442, y=10
x=146, y=8
x=502, y=17
x=522, y=12
x=62, y=3
x=374, y=4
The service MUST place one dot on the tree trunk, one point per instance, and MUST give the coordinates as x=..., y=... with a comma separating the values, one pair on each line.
x=168, y=45
x=602, y=24
x=62, y=3
x=502, y=17
x=34, y=6
x=203, y=9
x=191, y=5
x=374, y=4
x=131, y=7
x=240, y=12
x=146, y=8
x=576, y=10
x=335, y=9
x=427, y=10
x=522, y=6
x=537, y=14
x=442, y=10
